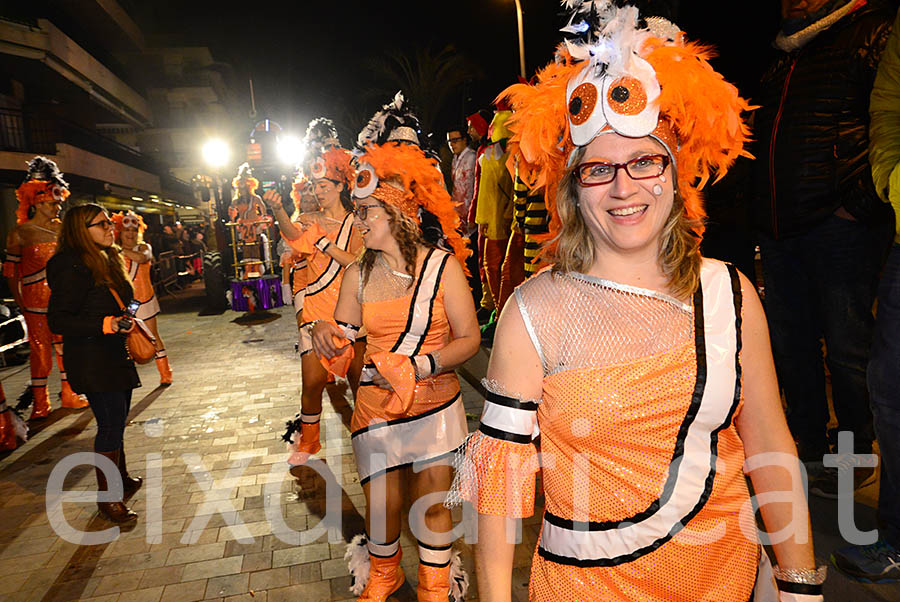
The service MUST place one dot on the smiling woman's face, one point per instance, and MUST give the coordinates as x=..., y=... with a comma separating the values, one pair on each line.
x=626, y=215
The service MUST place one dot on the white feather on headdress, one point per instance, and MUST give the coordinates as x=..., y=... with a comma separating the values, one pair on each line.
x=392, y=118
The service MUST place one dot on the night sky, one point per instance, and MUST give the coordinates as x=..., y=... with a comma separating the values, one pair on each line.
x=315, y=58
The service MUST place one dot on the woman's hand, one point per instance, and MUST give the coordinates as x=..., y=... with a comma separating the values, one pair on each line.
x=381, y=381
x=322, y=342
x=273, y=200
x=125, y=324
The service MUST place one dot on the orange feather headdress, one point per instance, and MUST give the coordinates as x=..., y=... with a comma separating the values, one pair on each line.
x=335, y=164
x=43, y=183
x=128, y=221
x=618, y=76
x=245, y=174
x=301, y=186
x=402, y=175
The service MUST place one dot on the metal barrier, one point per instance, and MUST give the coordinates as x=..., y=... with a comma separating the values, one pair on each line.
x=166, y=269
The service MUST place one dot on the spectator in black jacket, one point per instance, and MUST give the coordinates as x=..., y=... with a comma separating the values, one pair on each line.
x=819, y=217
x=86, y=268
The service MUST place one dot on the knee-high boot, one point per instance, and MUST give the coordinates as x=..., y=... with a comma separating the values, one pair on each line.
x=162, y=365
x=67, y=397
x=115, y=511
x=375, y=576
x=41, y=401
x=441, y=575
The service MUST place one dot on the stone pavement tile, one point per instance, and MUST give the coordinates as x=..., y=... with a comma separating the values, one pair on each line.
x=269, y=579
x=319, y=591
x=300, y=554
x=212, y=568
x=234, y=547
x=124, y=564
x=256, y=561
x=72, y=590
x=249, y=597
x=195, y=553
x=306, y=573
x=150, y=594
x=12, y=583
x=121, y=582
x=227, y=585
x=336, y=567
x=107, y=598
x=184, y=592
x=161, y=576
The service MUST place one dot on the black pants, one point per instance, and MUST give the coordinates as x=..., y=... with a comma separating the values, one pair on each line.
x=111, y=411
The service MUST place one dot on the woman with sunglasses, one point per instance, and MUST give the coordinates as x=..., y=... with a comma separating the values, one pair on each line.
x=86, y=275
x=138, y=256
x=645, y=367
x=410, y=292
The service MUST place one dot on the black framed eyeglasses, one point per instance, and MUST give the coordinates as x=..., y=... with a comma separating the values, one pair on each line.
x=457, y=139
x=105, y=224
x=362, y=211
x=596, y=173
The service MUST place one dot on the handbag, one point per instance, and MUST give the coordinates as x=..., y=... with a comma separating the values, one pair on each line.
x=140, y=344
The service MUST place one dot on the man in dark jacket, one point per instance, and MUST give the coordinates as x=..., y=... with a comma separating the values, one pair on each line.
x=819, y=219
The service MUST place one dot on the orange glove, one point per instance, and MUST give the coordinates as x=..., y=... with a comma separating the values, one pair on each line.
x=306, y=242
x=340, y=363
x=398, y=371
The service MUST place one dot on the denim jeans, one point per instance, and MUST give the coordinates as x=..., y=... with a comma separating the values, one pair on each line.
x=884, y=389
x=111, y=411
x=822, y=284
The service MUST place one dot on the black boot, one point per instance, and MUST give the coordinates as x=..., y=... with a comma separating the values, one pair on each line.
x=116, y=511
x=129, y=483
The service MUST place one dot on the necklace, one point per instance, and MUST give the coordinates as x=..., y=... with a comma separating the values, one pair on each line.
x=48, y=230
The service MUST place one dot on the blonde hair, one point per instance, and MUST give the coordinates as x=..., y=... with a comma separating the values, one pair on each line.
x=106, y=265
x=679, y=248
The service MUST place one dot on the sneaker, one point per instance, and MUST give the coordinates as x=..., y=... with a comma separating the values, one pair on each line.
x=823, y=480
x=875, y=563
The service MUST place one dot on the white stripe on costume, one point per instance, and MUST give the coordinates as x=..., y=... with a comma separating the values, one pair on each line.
x=386, y=446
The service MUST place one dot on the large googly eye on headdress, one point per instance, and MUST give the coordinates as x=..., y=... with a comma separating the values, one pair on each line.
x=583, y=103
x=130, y=222
x=318, y=169
x=366, y=181
x=58, y=192
x=630, y=101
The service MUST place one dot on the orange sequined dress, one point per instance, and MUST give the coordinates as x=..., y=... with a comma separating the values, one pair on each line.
x=419, y=421
x=323, y=274
x=640, y=457
x=143, y=288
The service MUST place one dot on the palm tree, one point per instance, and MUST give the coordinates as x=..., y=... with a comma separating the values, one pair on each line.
x=427, y=78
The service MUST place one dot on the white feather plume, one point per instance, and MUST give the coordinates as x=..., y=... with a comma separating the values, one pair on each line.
x=357, y=557
x=459, y=579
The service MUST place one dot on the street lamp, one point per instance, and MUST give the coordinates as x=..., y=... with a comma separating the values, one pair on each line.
x=521, y=38
x=216, y=153
x=290, y=150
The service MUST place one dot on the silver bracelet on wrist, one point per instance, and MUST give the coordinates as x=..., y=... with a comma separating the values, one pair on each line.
x=805, y=576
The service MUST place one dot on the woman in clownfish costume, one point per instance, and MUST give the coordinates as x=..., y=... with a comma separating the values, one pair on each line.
x=410, y=292
x=329, y=242
x=138, y=256
x=645, y=368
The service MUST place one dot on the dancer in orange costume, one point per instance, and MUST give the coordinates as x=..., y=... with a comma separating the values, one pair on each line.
x=330, y=242
x=12, y=428
x=138, y=256
x=29, y=247
x=248, y=210
x=646, y=369
x=410, y=291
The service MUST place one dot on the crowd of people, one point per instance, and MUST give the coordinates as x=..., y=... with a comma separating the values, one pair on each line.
x=643, y=381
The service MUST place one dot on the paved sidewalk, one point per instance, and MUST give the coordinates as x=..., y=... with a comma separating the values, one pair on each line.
x=210, y=452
